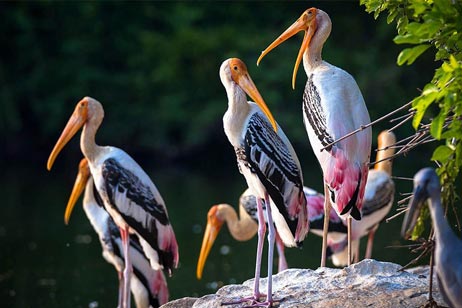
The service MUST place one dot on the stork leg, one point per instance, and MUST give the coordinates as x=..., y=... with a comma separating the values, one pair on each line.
x=125, y=236
x=282, y=263
x=370, y=243
x=261, y=236
x=349, y=239
x=356, y=252
x=121, y=289
x=326, y=226
x=271, y=238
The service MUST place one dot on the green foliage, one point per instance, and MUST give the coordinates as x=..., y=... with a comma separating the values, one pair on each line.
x=435, y=25
x=419, y=228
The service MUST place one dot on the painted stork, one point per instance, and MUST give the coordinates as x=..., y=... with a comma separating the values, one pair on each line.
x=332, y=107
x=241, y=228
x=448, y=247
x=245, y=227
x=269, y=164
x=379, y=194
x=378, y=200
x=148, y=286
x=128, y=194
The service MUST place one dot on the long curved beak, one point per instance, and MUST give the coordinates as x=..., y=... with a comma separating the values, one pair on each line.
x=300, y=25
x=410, y=219
x=79, y=186
x=76, y=121
x=211, y=232
x=247, y=84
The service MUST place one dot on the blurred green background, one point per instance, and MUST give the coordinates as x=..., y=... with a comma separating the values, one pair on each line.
x=154, y=67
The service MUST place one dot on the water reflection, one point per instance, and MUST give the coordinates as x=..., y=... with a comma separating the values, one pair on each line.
x=44, y=263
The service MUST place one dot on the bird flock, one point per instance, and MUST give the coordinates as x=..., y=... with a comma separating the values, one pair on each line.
x=131, y=219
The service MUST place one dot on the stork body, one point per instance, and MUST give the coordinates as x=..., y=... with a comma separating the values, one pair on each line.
x=378, y=199
x=333, y=106
x=128, y=194
x=148, y=286
x=448, y=247
x=269, y=164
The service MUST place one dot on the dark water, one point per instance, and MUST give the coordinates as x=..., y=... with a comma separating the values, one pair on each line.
x=44, y=263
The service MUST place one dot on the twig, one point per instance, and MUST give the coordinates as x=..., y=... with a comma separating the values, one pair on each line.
x=404, y=200
x=402, y=122
x=400, y=117
x=387, y=220
x=401, y=178
x=362, y=127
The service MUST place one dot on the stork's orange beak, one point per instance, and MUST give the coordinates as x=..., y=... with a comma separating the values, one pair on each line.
x=79, y=186
x=241, y=76
x=76, y=121
x=211, y=231
x=307, y=23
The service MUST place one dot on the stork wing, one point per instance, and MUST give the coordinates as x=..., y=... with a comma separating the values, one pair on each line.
x=144, y=213
x=271, y=160
x=249, y=202
x=383, y=195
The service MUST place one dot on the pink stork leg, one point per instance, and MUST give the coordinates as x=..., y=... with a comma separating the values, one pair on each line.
x=349, y=239
x=282, y=264
x=370, y=243
x=121, y=289
x=271, y=238
x=356, y=243
x=326, y=226
x=125, y=236
x=261, y=236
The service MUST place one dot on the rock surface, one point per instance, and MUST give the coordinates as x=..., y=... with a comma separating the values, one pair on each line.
x=368, y=283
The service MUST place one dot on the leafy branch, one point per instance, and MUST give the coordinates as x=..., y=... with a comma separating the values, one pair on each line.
x=434, y=25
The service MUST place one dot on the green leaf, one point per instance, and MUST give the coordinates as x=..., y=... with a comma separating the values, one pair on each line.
x=442, y=153
x=437, y=123
x=391, y=16
x=420, y=225
x=419, y=7
x=421, y=103
x=407, y=39
x=453, y=62
x=409, y=55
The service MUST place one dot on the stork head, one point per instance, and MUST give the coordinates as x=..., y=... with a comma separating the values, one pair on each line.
x=234, y=72
x=82, y=177
x=87, y=110
x=426, y=185
x=307, y=22
x=214, y=224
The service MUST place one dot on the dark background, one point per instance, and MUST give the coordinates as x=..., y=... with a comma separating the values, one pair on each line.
x=154, y=67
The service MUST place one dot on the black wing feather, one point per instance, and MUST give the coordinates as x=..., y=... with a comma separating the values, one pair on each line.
x=315, y=114
x=261, y=139
x=119, y=180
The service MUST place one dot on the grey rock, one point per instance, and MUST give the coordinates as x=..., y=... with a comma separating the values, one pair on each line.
x=368, y=283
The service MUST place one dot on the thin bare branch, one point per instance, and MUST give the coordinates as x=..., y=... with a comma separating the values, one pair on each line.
x=404, y=200
x=387, y=220
x=401, y=123
x=401, y=178
x=362, y=127
x=401, y=117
